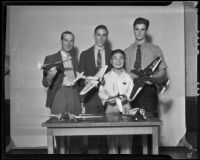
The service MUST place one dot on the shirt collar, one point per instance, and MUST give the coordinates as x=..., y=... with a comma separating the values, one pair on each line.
x=96, y=48
x=143, y=44
x=65, y=54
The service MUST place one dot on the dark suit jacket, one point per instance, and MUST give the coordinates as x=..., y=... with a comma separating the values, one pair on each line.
x=87, y=61
x=87, y=65
x=58, y=79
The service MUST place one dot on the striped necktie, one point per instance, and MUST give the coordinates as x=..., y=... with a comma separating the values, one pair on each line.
x=137, y=64
x=99, y=59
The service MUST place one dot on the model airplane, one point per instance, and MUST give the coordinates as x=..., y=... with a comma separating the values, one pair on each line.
x=44, y=66
x=137, y=113
x=118, y=100
x=94, y=80
x=145, y=75
x=69, y=116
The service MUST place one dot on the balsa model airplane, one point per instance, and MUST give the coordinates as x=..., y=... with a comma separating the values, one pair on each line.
x=43, y=66
x=94, y=80
x=118, y=100
x=69, y=116
x=145, y=75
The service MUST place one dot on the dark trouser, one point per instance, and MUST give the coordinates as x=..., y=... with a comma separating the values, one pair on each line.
x=147, y=99
x=66, y=100
x=93, y=105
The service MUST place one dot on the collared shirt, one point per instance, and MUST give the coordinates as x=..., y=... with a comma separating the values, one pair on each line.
x=102, y=51
x=68, y=70
x=115, y=84
x=148, y=53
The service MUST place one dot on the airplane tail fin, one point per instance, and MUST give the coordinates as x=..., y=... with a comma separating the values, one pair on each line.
x=138, y=85
x=165, y=85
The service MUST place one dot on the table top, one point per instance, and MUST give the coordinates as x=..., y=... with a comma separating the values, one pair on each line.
x=105, y=120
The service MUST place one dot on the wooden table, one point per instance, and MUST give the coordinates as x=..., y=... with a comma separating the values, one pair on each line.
x=106, y=125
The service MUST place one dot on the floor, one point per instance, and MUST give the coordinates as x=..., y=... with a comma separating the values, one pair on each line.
x=174, y=152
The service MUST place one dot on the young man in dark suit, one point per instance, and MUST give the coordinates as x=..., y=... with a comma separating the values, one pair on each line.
x=90, y=62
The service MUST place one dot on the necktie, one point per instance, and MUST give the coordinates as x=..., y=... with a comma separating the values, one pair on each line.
x=137, y=64
x=99, y=59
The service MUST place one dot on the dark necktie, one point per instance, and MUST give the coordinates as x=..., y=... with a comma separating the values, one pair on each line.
x=99, y=59
x=137, y=64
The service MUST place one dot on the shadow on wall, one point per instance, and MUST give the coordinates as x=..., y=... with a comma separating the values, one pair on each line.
x=149, y=38
x=166, y=105
x=108, y=44
x=75, y=52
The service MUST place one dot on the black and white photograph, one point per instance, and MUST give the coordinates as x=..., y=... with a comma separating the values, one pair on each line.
x=92, y=79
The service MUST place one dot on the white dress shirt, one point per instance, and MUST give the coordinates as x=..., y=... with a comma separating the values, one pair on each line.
x=68, y=69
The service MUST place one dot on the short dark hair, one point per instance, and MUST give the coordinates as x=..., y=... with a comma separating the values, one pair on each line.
x=66, y=32
x=141, y=20
x=117, y=51
x=101, y=27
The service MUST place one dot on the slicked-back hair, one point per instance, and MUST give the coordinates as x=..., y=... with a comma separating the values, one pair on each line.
x=101, y=27
x=141, y=20
x=66, y=32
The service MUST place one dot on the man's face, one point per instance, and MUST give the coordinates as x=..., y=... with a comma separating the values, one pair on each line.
x=117, y=61
x=100, y=37
x=140, y=32
x=67, y=42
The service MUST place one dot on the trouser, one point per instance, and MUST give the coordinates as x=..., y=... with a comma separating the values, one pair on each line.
x=122, y=141
x=66, y=100
x=148, y=100
x=93, y=105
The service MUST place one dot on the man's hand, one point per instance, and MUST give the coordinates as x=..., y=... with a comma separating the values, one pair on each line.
x=112, y=101
x=133, y=76
x=87, y=81
x=51, y=73
x=148, y=82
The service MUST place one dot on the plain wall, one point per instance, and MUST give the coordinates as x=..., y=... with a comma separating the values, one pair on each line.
x=34, y=32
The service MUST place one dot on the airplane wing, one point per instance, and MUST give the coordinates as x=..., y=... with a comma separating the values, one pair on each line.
x=138, y=85
x=78, y=77
x=101, y=72
x=151, y=68
x=43, y=66
x=93, y=83
x=88, y=87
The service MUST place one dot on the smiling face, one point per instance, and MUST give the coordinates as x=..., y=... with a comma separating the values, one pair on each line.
x=100, y=37
x=140, y=32
x=117, y=60
x=67, y=42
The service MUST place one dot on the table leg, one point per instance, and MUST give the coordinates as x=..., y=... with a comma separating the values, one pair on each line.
x=50, y=144
x=155, y=140
x=67, y=144
x=62, y=145
x=144, y=144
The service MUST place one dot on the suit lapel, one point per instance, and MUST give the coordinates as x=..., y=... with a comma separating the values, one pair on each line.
x=92, y=58
x=107, y=56
x=59, y=58
x=74, y=65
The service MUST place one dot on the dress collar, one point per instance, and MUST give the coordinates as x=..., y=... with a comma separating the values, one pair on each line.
x=112, y=70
